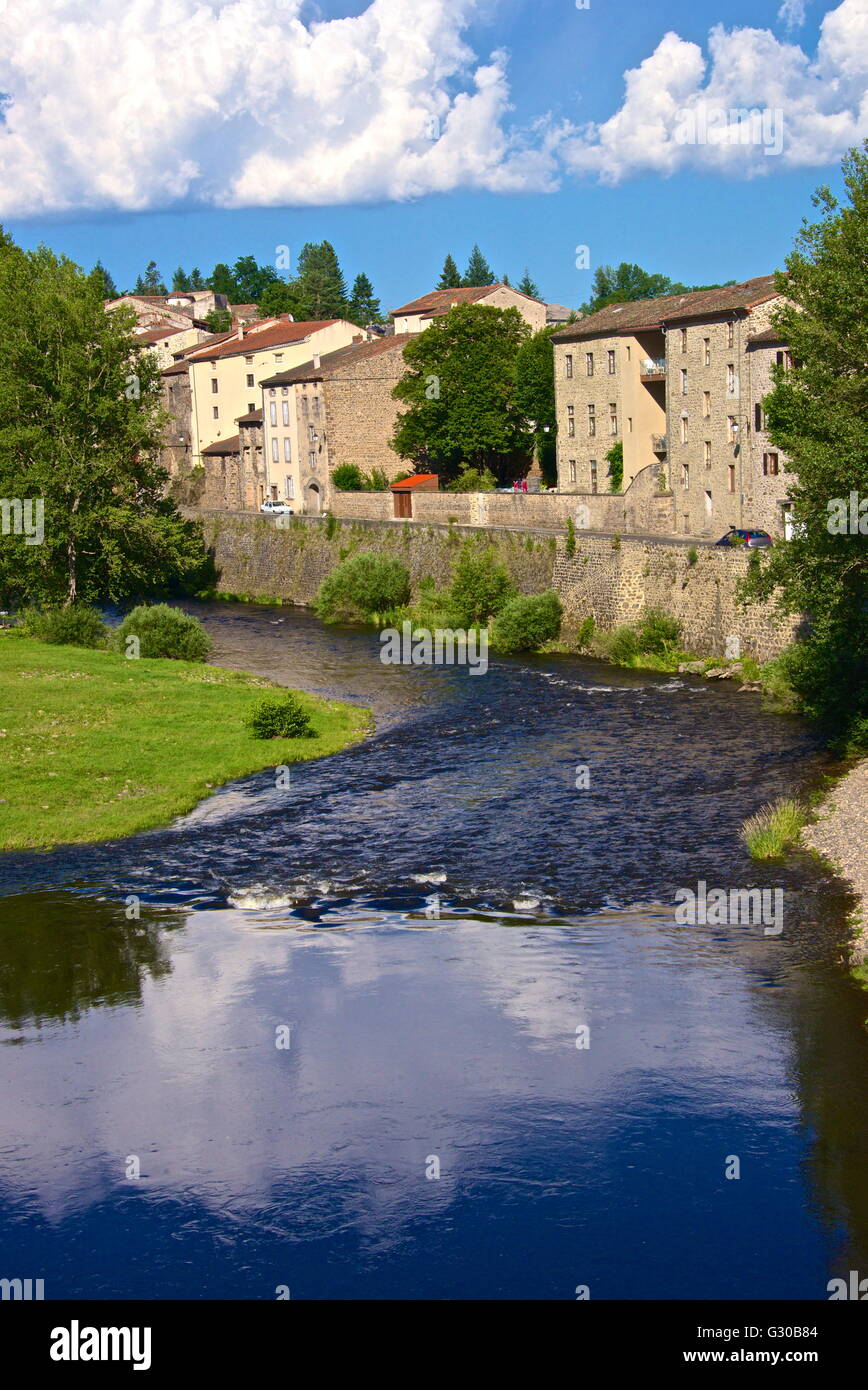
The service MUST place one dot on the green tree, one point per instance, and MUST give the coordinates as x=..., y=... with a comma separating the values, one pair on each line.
x=615, y=460
x=818, y=416
x=252, y=279
x=320, y=285
x=450, y=276
x=107, y=286
x=363, y=308
x=196, y=280
x=222, y=281
x=219, y=320
x=527, y=285
x=279, y=298
x=460, y=392
x=150, y=282
x=535, y=396
x=478, y=270
x=80, y=427
x=181, y=280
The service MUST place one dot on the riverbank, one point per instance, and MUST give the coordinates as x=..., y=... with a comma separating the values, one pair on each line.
x=93, y=746
x=840, y=834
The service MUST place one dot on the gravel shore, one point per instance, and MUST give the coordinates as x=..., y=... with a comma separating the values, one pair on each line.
x=840, y=833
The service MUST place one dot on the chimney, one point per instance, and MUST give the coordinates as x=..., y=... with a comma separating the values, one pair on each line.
x=316, y=361
x=240, y=330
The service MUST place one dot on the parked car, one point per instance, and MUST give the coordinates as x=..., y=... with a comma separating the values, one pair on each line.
x=750, y=536
x=272, y=507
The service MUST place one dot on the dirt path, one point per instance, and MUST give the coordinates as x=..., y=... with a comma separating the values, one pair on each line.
x=841, y=835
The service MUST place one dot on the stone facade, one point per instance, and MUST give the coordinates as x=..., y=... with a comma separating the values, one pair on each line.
x=419, y=314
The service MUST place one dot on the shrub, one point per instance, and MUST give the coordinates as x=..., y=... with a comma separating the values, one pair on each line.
x=348, y=477
x=362, y=587
x=480, y=585
x=586, y=631
x=773, y=828
x=474, y=480
x=378, y=481
x=526, y=622
x=570, y=546
x=692, y=555
x=615, y=460
x=623, y=645
x=164, y=632
x=75, y=626
x=332, y=526
x=658, y=632
x=279, y=716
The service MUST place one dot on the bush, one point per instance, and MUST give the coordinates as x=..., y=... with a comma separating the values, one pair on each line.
x=658, y=632
x=164, y=632
x=378, y=481
x=570, y=546
x=480, y=585
x=692, y=555
x=75, y=626
x=585, y=634
x=773, y=828
x=279, y=716
x=623, y=645
x=615, y=460
x=474, y=480
x=525, y=623
x=348, y=477
x=361, y=588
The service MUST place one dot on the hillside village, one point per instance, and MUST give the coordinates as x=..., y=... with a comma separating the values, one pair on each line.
x=268, y=409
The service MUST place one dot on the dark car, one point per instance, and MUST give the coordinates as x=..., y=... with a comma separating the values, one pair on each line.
x=754, y=539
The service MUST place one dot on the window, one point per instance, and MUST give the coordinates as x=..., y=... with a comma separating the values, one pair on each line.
x=289, y=489
x=613, y=418
x=628, y=352
x=592, y=421
x=684, y=381
x=250, y=407
x=629, y=424
x=770, y=465
x=250, y=381
x=589, y=359
x=249, y=360
x=684, y=429
x=271, y=391
x=572, y=470
x=215, y=412
x=706, y=452
x=730, y=333
x=284, y=390
x=706, y=404
x=274, y=450
x=311, y=434
x=758, y=422
x=311, y=459
x=783, y=359
x=730, y=479
x=316, y=405
x=272, y=412
x=571, y=420
x=278, y=357
x=568, y=364
x=593, y=475
x=286, y=412
x=287, y=450
x=685, y=475
x=611, y=361
x=684, y=340
x=706, y=351
x=215, y=386
x=730, y=379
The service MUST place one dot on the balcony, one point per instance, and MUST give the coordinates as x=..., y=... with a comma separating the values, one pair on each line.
x=659, y=444
x=652, y=369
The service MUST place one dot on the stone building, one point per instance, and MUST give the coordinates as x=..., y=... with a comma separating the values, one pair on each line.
x=418, y=315
x=767, y=483
x=335, y=409
x=231, y=476
x=677, y=382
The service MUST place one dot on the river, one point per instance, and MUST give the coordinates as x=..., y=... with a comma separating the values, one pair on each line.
x=423, y=1023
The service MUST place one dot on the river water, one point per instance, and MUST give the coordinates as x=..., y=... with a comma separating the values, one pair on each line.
x=423, y=1023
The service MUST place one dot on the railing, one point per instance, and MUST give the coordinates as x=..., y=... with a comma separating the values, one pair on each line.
x=653, y=367
x=659, y=443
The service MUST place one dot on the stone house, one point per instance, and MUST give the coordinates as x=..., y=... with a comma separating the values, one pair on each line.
x=676, y=381
x=418, y=315
x=335, y=409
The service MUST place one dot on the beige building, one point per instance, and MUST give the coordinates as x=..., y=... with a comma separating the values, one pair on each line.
x=418, y=315
x=225, y=374
x=677, y=382
x=335, y=409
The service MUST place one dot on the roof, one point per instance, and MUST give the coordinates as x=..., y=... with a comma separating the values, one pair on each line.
x=415, y=481
x=267, y=333
x=558, y=313
x=441, y=301
x=669, y=308
x=177, y=369
x=232, y=445
x=769, y=338
x=155, y=335
x=253, y=417
x=332, y=362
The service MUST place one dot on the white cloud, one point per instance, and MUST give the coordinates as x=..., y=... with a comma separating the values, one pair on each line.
x=141, y=104
x=678, y=107
x=792, y=13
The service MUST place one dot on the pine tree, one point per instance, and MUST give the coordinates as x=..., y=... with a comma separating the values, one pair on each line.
x=150, y=282
x=108, y=288
x=181, y=280
x=320, y=285
x=363, y=308
x=197, y=281
x=222, y=281
x=450, y=277
x=528, y=286
x=478, y=270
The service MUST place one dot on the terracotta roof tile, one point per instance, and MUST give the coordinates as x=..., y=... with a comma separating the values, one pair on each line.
x=668, y=308
x=232, y=445
x=332, y=362
x=267, y=333
x=441, y=301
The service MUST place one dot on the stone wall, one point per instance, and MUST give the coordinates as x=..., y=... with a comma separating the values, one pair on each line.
x=613, y=581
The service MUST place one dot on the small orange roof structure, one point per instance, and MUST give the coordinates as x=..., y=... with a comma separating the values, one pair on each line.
x=424, y=482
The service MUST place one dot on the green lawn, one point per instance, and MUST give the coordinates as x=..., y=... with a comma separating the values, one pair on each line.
x=93, y=746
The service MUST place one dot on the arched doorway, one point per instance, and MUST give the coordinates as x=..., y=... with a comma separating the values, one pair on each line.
x=312, y=499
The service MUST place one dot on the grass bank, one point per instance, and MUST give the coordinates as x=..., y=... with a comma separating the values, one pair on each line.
x=93, y=746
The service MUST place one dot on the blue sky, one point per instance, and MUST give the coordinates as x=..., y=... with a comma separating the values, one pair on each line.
x=536, y=152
